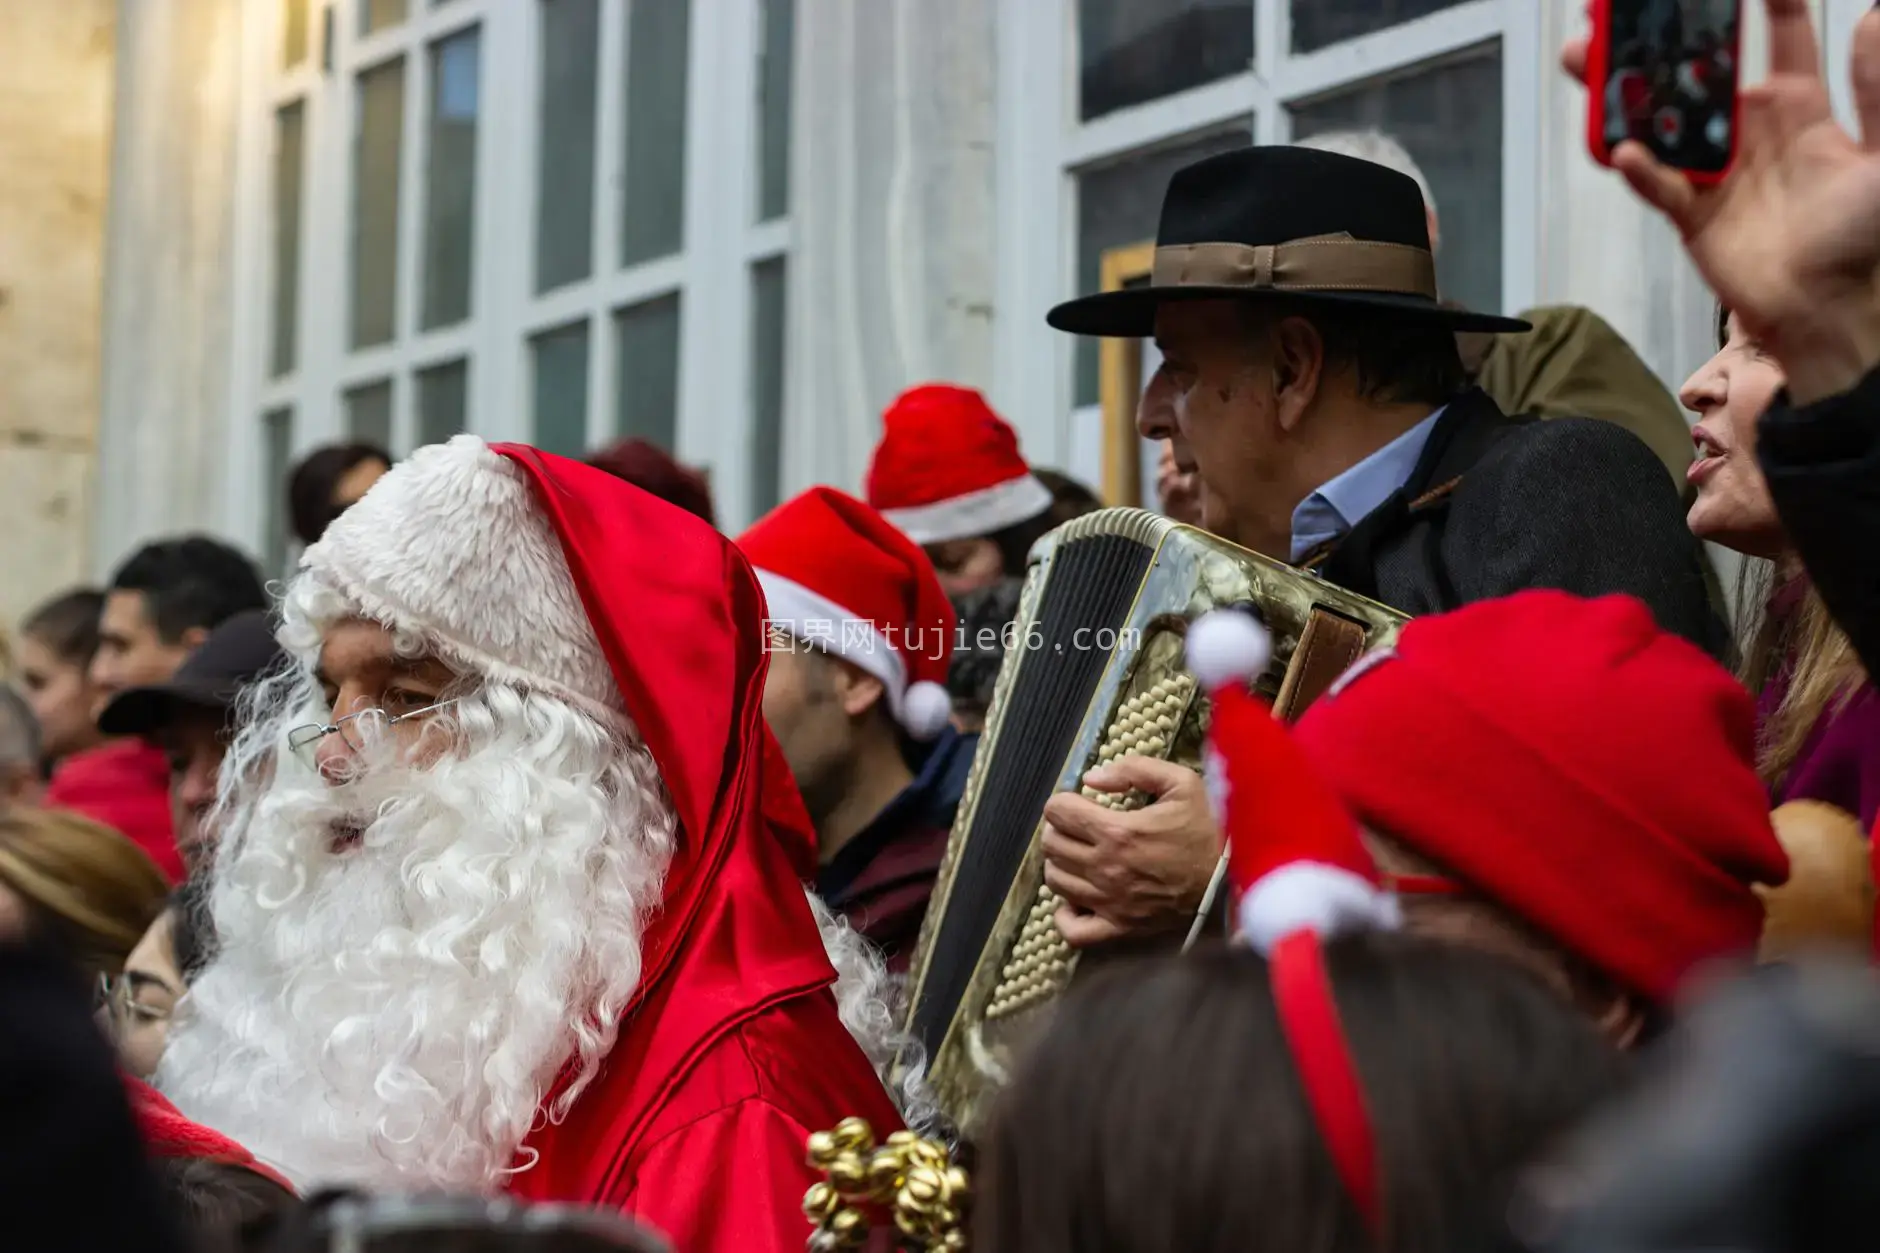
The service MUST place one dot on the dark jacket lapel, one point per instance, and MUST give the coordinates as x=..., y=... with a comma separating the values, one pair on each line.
x=1469, y=427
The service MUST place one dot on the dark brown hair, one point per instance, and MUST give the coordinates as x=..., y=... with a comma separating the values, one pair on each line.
x=221, y=1207
x=311, y=485
x=68, y=625
x=1069, y=498
x=1397, y=360
x=652, y=469
x=1162, y=1110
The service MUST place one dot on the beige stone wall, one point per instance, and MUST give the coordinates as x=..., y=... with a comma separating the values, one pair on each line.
x=55, y=135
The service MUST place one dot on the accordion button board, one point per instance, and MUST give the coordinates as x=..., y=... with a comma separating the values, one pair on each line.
x=1095, y=671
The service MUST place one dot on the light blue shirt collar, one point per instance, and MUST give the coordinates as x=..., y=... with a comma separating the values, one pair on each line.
x=1337, y=506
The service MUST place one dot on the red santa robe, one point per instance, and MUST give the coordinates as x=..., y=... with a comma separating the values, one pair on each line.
x=733, y=1053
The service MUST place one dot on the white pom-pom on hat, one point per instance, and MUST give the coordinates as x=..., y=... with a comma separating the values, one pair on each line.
x=926, y=709
x=1227, y=646
x=1313, y=896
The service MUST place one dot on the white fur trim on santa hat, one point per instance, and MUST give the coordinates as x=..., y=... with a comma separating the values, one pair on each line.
x=976, y=513
x=452, y=546
x=923, y=709
x=1312, y=896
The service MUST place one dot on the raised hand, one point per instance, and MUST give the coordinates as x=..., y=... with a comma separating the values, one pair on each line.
x=1790, y=239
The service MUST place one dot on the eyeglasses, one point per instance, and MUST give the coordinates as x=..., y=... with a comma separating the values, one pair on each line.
x=351, y=1222
x=117, y=997
x=355, y=729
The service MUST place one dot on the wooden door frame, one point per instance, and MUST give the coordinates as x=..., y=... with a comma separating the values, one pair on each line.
x=1119, y=380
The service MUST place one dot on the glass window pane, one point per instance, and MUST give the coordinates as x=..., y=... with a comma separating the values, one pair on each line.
x=369, y=414
x=1316, y=23
x=561, y=389
x=294, y=32
x=450, y=179
x=653, y=209
x=443, y=401
x=775, y=72
x=277, y=450
x=1118, y=205
x=646, y=391
x=376, y=147
x=564, y=176
x=289, y=156
x=378, y=14
x=1131, y=51
x=1449, y=120
x=767, y=312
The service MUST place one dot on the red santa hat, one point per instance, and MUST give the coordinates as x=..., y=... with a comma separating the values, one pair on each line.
x=1300, y=874
x=1569, y=760
x=949, y=468
x=838, y=576
x=540, y=571
x=451, y=546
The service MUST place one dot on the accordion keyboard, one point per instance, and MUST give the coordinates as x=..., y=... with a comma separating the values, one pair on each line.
x=1095, y=670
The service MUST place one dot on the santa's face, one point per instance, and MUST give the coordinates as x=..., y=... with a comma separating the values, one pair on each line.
x=374, y=692
x=425, y=931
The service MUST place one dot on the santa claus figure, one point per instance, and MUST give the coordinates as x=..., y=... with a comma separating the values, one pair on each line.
x=509, y=893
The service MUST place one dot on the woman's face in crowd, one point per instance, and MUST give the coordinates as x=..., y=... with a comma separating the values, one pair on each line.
x=1729, y=393
x=144, y=998
x=355, y=483
x=61, y=696
x=965, y=565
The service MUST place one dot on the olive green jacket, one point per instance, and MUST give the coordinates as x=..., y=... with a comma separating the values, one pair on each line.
x=1574, y=365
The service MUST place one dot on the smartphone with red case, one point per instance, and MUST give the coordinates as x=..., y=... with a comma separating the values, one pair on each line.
x=1665, y=73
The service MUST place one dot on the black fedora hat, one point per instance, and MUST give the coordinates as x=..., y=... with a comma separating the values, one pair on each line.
x=1309, y=226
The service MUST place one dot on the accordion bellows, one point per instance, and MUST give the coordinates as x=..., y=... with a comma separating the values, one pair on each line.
x=1094, y=670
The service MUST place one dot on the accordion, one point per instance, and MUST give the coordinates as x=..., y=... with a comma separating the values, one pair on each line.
x=1094, y=670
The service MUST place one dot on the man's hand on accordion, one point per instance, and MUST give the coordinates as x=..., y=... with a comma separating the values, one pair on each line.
x=1128, y=874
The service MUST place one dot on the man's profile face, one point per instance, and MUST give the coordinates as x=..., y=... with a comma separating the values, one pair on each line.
x=805, y=714
x=1214, y=403
x=360, y=670
x=195, y=742
x=131, y=651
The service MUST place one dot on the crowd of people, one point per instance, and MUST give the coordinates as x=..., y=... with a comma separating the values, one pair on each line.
x=538, y=867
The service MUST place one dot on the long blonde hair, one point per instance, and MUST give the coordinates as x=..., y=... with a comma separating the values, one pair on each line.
x=1817, y=661
x=90, y=887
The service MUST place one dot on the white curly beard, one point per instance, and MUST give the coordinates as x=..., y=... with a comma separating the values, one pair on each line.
x=395, y=1014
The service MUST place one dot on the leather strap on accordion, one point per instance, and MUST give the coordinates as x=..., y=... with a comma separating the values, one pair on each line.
x=1327, y=647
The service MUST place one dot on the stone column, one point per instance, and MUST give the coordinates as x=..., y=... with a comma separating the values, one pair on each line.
x=164, y=435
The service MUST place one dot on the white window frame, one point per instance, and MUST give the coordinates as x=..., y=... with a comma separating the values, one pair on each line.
x=1044, y=146
x=713, y=274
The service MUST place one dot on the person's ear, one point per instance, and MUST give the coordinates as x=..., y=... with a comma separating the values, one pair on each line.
x=857, y=690
x=1298, y=366
x=1436, y=235
x=191, y=639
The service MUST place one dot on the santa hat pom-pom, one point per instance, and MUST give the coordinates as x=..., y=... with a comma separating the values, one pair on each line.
x=1312, y=896
x=926, y=710
x=1227, y=646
